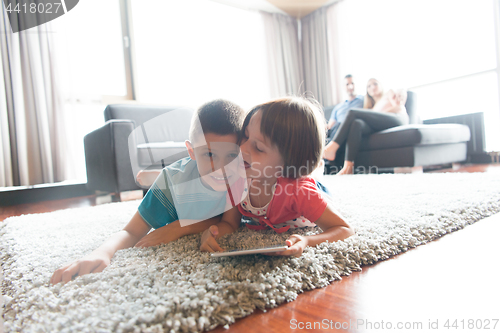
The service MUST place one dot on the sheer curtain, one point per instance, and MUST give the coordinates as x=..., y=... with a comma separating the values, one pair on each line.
x=333, y=38
x=284, y=55
x=318, y=64
x=309, y=64
x=32, y=126
x=5, y=151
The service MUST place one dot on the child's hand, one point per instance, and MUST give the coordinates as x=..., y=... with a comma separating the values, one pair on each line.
x=296, y=245
x=93, y=263
x=208, y=242
x=159, y=236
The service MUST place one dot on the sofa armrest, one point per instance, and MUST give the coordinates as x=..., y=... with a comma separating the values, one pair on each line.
x=107, y=157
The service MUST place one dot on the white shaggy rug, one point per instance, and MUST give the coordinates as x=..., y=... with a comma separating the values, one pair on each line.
x=176, y=288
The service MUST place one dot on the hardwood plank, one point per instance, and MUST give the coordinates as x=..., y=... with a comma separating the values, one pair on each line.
x=46, y=206
x=16, y=195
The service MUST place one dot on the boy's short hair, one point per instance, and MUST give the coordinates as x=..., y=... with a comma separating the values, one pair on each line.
x=219, y=116
x=297, y=126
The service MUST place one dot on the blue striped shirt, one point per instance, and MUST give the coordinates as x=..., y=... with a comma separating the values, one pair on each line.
x=178, y=194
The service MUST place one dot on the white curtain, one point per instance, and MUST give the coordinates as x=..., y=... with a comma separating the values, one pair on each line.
x=311, y=64
x=333, y=38
x=284, y=55
x=5, y=151
x=32, y=132
x=318, y=70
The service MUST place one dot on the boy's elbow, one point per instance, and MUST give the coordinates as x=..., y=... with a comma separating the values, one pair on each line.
x=350, y=231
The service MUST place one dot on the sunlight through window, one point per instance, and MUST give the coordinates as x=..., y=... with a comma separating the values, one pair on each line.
x=190, y=52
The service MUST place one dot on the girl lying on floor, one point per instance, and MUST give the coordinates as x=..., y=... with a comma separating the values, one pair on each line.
x=282, y=144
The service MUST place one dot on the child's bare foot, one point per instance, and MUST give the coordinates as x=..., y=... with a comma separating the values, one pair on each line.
x=147, y=177
x=348, y=168
x=330, y=151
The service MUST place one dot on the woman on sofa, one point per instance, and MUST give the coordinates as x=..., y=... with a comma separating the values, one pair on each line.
x=380, y=111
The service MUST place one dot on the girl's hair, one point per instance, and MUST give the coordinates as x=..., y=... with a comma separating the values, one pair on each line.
x=297, y=126
x=369, y=102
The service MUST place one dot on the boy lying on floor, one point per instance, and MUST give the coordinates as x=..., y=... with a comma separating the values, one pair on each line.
x=197, y=178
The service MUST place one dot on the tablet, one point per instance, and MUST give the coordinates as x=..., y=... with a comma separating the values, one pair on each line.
x=240, y=252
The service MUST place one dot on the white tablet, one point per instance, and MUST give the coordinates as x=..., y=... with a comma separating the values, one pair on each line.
x=240, y=252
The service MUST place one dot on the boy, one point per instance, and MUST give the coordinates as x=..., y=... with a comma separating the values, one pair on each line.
x=211, y=148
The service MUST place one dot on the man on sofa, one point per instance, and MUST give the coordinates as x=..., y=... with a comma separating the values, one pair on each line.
x=339, y=112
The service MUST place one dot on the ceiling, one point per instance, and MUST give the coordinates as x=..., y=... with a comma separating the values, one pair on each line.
x=295, y=8
x=298, y=8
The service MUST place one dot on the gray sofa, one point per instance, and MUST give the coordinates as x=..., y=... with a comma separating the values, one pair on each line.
x=156, y=134
x=410, y=145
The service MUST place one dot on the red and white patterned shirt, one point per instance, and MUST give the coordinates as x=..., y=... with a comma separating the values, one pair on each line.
x=296, y=203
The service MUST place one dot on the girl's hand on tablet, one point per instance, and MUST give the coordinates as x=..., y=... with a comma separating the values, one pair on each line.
x=208, y=242
x=296, y=245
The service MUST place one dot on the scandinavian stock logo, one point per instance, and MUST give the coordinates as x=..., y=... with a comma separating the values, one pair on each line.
x=26, y=14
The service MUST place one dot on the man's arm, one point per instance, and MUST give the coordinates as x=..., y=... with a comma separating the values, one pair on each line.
x=330, y=124
x=333, y=117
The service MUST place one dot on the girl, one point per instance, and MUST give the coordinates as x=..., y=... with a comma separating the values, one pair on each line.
x=282, y=144
x=383, y=111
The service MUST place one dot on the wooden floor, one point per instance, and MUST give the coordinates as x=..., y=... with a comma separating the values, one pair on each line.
x=454, y=278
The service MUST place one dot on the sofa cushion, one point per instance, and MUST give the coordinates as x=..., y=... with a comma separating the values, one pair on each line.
x=420, y=155
x=159, y=123
x=416, y=134
x=152, y=154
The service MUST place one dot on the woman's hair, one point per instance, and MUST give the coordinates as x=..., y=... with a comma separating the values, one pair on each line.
x=297, y=127
x=369, y=102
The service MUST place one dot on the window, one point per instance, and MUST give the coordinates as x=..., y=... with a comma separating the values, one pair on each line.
x=186, y=53
x=443, y=50
x=90, y=56
x=193, y=51
x=91, y=50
